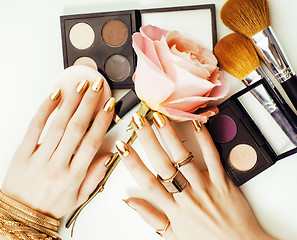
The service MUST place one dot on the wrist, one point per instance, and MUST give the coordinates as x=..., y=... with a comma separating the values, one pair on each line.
x=19, y=220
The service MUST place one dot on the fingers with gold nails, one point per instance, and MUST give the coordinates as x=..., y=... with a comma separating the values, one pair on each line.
x=152, y=215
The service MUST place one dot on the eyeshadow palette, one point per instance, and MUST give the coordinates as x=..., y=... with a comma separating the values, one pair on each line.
x=104, y=40
x=247, y=148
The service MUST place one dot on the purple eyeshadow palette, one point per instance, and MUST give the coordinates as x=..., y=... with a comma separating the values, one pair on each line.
x=103, y=40
x=243, y=145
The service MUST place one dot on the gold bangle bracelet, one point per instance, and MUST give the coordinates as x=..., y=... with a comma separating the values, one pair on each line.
x=31, y=224
x=27, y=210
x=26, y=217
x=12, y=229
x=48, y=232
x=7, y=235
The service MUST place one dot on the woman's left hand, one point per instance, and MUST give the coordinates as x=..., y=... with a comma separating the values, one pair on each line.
x=195, y=204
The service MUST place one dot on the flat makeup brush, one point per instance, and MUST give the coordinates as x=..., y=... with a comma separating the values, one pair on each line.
x=251, y=18
x=237, y=56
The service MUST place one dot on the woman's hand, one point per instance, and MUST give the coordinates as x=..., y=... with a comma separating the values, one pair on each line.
x=209, y=207
x=58, y=174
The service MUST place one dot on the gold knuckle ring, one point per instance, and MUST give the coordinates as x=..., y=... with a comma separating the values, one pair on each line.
x=185, y=161
x=162, y=231
x=175, y=184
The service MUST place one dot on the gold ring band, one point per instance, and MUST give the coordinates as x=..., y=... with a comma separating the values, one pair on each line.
x=161, y=232
x=185, y=161
x=175, y=184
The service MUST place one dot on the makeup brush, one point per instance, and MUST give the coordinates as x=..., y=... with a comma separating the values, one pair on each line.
x=251, y=18
x=238, y=57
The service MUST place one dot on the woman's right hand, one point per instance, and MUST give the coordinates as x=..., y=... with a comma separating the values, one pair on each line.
x=57, y=175
x=209, y=207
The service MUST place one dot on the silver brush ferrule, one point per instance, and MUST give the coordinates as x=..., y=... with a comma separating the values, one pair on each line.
x=259, y=92
x=271, y=52
x=254, y=76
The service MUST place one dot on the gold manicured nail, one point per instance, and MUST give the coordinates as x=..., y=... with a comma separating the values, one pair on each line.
x=138, y=120
x=159, y=119
x=56, y=94
x=110, y=160
x=129, y=204
x=97, y=85
x=109, y=105
x=82, y=86
x=122, y=148
x=197, y=125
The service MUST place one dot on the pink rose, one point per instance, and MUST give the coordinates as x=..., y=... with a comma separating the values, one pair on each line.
x=175, y=75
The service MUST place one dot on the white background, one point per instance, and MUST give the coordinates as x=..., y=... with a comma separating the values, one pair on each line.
x=31, y=58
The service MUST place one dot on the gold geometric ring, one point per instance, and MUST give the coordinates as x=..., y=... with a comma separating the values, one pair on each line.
x=175, y=184
x=161, y=232
x=185, y=161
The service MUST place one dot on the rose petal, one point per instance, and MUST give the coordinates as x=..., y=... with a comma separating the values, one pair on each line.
x=152, y=32
x=190, y=104
x=181, y=116
x=193, y=65
x=186, y=83
x=181, y=43
x=209, y=57
x=147, y=47
x=148, y=76
x=214, y=78
x=220, y=90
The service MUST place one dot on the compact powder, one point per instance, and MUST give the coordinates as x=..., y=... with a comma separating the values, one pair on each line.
x=223, y=128
x=117, y=67
x=114, y=33
x=243, y=157
x=82, y=36
x=87, y=61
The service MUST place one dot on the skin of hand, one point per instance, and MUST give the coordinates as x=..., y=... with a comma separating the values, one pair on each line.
x=210, y=207
x=57, y=175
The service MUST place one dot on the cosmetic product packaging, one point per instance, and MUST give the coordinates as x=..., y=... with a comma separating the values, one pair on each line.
x=246, y=136
x=103, y=40
x=123, y=106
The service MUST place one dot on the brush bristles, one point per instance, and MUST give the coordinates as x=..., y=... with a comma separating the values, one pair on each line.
x=247, y=17
x=237, y=55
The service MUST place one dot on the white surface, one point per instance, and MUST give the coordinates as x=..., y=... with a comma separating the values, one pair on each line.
x=31, y=58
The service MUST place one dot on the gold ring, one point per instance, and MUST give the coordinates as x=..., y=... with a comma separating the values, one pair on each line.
x=161, y=232
x=175, y=184
x=185, y=161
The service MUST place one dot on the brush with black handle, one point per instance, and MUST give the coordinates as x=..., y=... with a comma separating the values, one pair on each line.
x=251, y=18
x=238, y=57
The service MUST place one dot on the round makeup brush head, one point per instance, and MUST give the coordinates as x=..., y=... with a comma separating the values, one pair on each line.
x=247, y=17
x=237, y=55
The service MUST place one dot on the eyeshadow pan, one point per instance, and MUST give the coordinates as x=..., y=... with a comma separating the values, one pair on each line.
x=223, y=129
x=82, y=36
x=117, y=67
x=243, y=157
x=114, y=33
x=87, y=61
x=100, y=35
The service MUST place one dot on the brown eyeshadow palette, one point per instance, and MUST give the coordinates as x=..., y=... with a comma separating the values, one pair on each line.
x=244, y=149
x=104, y=40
